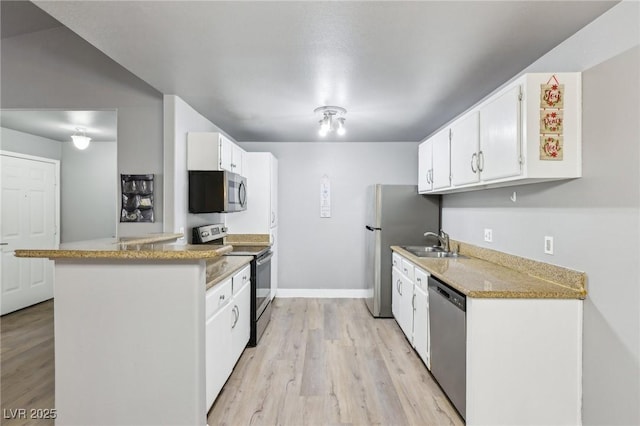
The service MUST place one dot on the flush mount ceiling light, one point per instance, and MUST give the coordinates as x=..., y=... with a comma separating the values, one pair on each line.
x=332, y=120
x=80, y=138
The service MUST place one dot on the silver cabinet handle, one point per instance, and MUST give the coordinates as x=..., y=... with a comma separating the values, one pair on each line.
x=413, y=302
x=222, y=297
x=398, y=286
x=481, y=161
x=4, y=244
x=236, y=314
x=473, y=162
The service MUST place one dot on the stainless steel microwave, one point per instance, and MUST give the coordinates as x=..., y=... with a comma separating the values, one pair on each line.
x=216, y=192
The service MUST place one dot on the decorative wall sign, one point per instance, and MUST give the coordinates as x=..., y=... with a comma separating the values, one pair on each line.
x=325, y=197
x=551, y=119
x=552, y=94
x=551, y=147
x=137, y=198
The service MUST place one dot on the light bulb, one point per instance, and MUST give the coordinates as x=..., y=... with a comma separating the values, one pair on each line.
x=341, y=130
x=80, y=142
x=326, y=124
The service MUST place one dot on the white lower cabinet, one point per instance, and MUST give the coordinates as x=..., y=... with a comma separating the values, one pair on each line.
x=406, y=307
x=524, y=362
x=410, y=304
x=240, y=321
x=217, y=363
x=227, y=329
x=421, y=336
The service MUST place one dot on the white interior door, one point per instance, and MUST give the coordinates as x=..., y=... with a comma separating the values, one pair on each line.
x=29, y=213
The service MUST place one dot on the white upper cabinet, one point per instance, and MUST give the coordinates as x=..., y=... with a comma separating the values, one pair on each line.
x=441, y=172
x=425, y=160
x=433, y=162
x=465, y=144
x=529, y=131
x=214, y=151
x=499, y=155
x=261, y=214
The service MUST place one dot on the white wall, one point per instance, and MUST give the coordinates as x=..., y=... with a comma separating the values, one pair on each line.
x=88, y=191
x=316, y=253
x=57, y=69
x=595, y=220
x=88, y=183
x=25, y=143
x=179, y=119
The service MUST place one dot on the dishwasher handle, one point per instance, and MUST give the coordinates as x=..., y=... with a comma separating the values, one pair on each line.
x=444, y=293
x=448, y=293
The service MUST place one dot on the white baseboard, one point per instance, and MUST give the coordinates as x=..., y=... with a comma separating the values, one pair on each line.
x=322, y=293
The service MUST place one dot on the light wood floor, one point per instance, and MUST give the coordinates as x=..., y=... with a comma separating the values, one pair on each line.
x=327, y=361
x=27, y=362
x=321, y=361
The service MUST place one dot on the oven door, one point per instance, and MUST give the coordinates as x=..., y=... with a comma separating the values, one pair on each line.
x=263, y=282
x=236, y=193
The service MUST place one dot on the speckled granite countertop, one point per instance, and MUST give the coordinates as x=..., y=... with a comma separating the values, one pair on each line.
x=222, y=268
x=149, y=247
x=248, y=239
x=480, y=278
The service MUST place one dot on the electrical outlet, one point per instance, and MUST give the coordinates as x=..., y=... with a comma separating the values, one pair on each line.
x=548, y=245
x=488, y=235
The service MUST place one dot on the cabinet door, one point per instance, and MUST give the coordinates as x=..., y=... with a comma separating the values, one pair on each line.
x=465, y=139
x=406, y=307
x=395, y=294
x=218, y=364
x=226, y=154
x=424, y=166
x=240, y=321
x=203, y=151
x=274, y=262
x=421, y=325
x=237, y=160
x=274, y=192
x=499, y=155
x=440, y=174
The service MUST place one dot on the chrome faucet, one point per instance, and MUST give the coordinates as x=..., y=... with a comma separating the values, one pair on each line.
x=443, y=238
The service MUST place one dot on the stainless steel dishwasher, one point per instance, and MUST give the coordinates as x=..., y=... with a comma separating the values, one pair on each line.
x=447, y=321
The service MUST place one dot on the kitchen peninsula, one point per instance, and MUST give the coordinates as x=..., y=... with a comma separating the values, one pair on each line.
x=130, y=328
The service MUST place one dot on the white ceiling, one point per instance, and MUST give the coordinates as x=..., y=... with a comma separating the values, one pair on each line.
x=259, y=69
x=59, y=125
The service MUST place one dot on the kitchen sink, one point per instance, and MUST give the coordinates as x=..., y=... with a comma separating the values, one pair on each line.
x=431, y=251
x=423, y=249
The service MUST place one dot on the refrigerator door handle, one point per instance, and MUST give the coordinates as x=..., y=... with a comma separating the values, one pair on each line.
x=371, y=228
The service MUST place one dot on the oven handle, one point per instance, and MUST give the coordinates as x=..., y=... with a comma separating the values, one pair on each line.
x=264, y=259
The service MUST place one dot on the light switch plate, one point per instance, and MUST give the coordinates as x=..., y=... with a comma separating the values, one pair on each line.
x=548, y=245
x=488, y=235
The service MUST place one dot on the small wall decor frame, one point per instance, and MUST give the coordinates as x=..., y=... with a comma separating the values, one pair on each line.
x=137, y=198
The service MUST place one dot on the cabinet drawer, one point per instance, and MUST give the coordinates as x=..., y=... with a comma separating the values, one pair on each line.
x=396, y=260
x=241, y=278
x=407, y=269
x=217, y=297
x=421, y=278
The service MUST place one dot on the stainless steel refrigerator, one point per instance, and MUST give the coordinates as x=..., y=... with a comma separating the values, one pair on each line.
x=396, y=215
